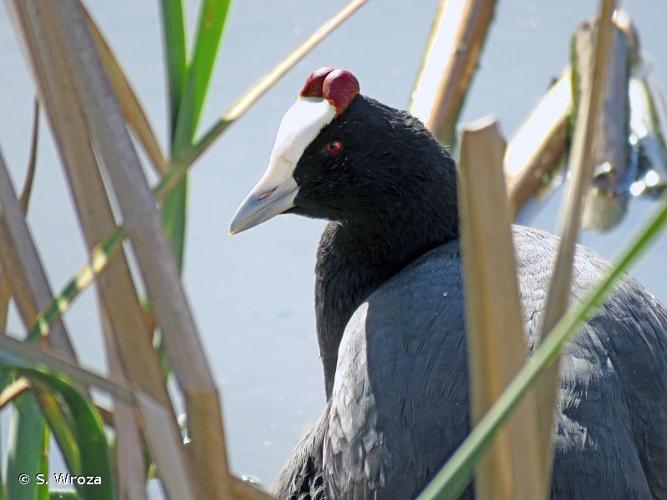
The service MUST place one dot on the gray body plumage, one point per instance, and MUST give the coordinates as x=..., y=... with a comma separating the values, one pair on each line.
x=400, y=404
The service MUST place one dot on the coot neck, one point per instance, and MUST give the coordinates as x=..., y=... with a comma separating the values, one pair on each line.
x=356, y=257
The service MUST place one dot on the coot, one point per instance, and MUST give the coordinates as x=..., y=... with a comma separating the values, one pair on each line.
x=389, y=304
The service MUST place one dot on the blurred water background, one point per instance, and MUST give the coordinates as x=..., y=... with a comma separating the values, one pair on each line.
x=253, y=294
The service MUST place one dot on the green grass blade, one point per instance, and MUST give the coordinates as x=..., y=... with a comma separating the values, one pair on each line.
x=175, y=52
x=75, y=416
x=43, y=493
x=27, y=442
x=88, y=430
x=60, y=423
x=173, y=31
x=452, y=480
x=211, y=23
x=174, y=219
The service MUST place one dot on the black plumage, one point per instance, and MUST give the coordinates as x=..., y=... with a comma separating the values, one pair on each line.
x=391, y=330
x=390, y=196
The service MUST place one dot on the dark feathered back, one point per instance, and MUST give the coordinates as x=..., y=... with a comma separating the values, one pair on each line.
x=400, y=403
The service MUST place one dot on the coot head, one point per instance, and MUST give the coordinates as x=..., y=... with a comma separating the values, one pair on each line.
x=387, y=186
x=344, y=157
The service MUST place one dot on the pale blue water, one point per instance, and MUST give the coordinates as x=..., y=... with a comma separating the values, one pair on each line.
x=252, y=294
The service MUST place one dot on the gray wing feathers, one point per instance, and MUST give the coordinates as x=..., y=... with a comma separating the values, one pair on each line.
x=301, y=476
x=392, y=359
x=399, y=407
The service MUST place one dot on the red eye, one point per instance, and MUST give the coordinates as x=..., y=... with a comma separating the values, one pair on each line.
x=334, y=147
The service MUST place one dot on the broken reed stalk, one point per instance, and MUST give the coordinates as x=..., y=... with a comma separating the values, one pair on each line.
x=539, y=145
x=607, y=199
x=581, y=170
x=496, y=346
x=449, y=63
x=155, y=259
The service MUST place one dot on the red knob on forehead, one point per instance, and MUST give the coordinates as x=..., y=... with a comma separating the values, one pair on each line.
x=340, y=87
x=313, y=85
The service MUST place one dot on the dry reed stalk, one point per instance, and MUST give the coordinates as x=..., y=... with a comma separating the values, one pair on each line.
x=116, y=293
x=496, y=345
x=13, y=390
x=156, y=261
x=24, y=200
x=581, y=170
x=5, y=297
x=127, y=99
x=130, y=464
x=449, y=63
x=30, y=288
x=607, y=199
x=23, y=267
x=74, y=144
x=539, y=145
x=36, y=355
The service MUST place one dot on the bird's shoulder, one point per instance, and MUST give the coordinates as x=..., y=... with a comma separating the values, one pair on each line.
x=402, y=368
x=407, y=337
